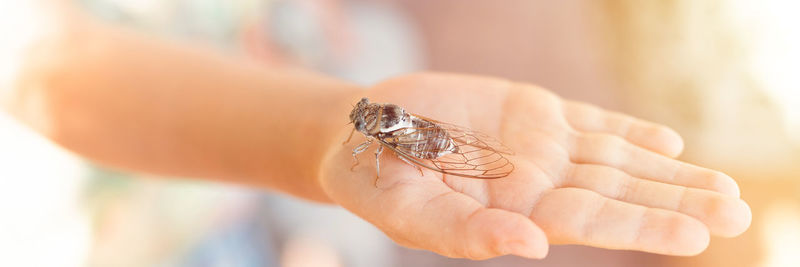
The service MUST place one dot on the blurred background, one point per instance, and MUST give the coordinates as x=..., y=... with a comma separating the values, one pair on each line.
x=722, y=73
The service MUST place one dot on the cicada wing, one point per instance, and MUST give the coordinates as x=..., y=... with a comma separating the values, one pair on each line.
x=466, y=136
x=477, y=155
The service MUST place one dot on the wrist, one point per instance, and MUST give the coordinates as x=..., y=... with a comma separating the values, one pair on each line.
x=320, y=118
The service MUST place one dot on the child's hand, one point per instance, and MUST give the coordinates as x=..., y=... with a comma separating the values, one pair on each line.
x=583, y=176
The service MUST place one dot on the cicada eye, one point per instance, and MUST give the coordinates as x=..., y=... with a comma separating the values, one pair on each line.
x=359, y=124
x=363, y=103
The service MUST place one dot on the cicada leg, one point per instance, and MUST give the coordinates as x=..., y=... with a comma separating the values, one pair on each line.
x=360, y=148
x=349, y=137
x=415, y=166
x=377, y=165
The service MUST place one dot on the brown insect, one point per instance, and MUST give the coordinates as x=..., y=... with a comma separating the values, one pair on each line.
x=428, y=143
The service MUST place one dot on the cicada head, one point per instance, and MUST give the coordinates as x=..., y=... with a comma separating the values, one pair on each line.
x=358, y=113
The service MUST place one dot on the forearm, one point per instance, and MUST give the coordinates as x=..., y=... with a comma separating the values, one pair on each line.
x=149, y=105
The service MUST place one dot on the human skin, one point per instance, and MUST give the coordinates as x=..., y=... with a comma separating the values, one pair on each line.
x=583, y=175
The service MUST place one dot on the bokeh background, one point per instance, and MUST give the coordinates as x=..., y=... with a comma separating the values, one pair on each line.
x=725, y=74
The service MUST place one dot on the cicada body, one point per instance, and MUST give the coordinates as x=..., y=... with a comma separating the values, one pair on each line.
x=427, y=143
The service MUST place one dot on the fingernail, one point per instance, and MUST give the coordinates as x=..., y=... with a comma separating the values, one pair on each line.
x=525, y=249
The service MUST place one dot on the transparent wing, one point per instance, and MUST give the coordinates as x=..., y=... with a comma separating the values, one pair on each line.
x=466, y=136
x=478, y=155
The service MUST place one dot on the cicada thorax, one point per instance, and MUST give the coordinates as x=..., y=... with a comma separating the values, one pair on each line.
x=384, y=118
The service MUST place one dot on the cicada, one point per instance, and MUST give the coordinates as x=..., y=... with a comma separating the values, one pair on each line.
x=427, y=143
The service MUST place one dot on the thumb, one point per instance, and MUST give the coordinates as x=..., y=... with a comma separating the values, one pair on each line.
x=422, y=212
x=455, y=225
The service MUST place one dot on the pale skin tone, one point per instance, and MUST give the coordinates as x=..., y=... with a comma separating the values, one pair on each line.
x=583, y=175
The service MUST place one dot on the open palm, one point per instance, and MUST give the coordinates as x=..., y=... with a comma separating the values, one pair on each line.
x=583, y=176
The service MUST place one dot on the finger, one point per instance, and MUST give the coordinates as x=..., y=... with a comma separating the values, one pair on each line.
x=724, y=215
x=613, y=151
x=455, y=225
x=579, y=216
x=655, y=137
